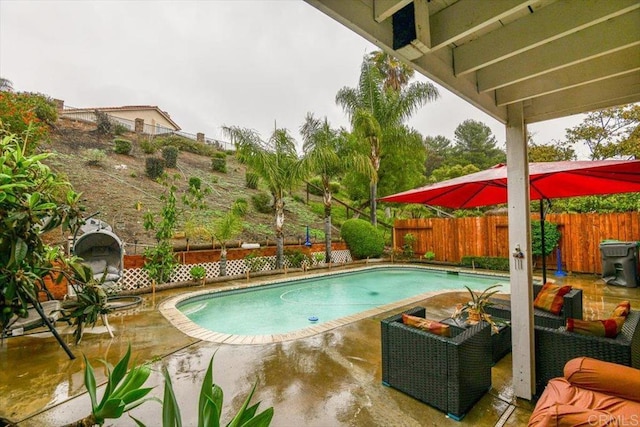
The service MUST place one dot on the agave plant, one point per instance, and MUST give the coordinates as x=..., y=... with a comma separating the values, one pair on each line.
x=122, y=393
x=210, y=406
x=476, y=307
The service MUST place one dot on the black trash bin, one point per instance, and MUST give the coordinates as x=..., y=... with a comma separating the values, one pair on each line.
x=620, y=263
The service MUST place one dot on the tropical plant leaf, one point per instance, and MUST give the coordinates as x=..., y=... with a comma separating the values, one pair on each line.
x=90, y=383
x=170, y=408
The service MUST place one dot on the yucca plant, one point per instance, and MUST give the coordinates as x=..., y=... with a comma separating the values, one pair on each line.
x=122, y=393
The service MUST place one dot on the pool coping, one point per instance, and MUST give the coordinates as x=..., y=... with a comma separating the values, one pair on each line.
x=169, y=310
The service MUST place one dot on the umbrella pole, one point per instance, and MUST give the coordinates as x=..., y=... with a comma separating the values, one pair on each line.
x=542, y=241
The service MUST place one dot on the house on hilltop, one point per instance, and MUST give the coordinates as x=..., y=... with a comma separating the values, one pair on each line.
x=148, y=119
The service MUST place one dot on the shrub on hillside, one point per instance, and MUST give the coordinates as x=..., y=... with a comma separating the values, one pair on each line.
x=170, y=156
x=148, y=146
x=195, y=183
x=122, y=146
x=154, y=167
x=362, y=238
x=262, y=202
x=185, y=144
x=317, y=188
x=251, y=180
x=219, y=162
x=240, y=207
x=94, y=156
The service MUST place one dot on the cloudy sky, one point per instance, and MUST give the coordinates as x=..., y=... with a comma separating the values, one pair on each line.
x=212, y=63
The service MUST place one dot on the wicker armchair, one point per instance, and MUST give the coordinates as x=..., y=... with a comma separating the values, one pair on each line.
x=555, y=347
x=572, y=307
x=449, y=373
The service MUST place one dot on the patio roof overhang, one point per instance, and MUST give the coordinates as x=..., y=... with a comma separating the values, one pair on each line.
x=556, y=57
x=521, y=62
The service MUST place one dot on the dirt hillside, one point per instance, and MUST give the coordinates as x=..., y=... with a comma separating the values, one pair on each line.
x=117, y=187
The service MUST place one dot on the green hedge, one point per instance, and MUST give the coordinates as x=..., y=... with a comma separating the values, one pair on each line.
x=362, y=238
x=170, y=156
x=486, y=262
x=219, y=162
x=154, y=167
x=122, y=146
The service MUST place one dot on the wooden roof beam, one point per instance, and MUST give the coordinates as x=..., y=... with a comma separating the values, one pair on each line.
x=615, y=34
x=550, y=23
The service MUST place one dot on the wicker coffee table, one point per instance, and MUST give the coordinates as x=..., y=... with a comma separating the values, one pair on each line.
x=500, y=340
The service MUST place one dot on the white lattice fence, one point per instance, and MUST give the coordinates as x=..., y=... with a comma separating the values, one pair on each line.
x=136, y=278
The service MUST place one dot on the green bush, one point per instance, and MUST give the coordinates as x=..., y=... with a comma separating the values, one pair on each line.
x=148, y=146
x=486, y=262
x=262, y=202
x=195, y=183
x=219, y=162
x=94, y=156
x=362, y=238
x=551, y=237
x=334, y=186
x=316, y=186
x=295, y=258
x=185, y=144
x=122, y=146
x=240, y=207
x=251, y=180
x=170, y=156
x=154, y=167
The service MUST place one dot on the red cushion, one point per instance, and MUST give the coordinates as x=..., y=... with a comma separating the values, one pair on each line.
x=622, y=309
x=426, y=325
x=609, y=328
x=551, y=298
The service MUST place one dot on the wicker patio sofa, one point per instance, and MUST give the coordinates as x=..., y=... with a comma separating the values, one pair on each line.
x=572, y=307
x=448, y=373
x=555, y=347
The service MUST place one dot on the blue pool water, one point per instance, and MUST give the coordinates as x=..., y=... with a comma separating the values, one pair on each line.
x=293, y=305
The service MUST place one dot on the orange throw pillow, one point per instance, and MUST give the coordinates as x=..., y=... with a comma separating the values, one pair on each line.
x=426, y=325
x=551, y=298
x=622, y=309
x=609, y=328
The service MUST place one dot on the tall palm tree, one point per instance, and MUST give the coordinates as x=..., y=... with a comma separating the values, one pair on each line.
x=323, y=155
x=396, y=73
x=276, y=162
x=378, y=115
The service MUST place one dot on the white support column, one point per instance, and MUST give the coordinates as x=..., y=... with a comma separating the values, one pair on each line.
x=520, y=238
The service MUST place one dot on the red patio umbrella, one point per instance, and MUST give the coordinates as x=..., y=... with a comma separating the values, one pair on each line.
x=548, y=180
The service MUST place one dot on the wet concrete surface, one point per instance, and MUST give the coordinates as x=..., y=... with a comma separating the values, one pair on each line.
x=331, y=379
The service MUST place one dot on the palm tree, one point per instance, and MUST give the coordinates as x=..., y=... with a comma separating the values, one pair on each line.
x=224, y=229
x=276, y=162
x=378, y=114
x=396, y=74
x=321, y=146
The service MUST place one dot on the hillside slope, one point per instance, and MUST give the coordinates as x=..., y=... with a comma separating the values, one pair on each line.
x=120, y=191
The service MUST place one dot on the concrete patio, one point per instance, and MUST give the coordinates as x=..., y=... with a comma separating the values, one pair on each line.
x=330, y=379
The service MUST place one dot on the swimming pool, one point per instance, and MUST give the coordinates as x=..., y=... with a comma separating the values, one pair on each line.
x=284, y=310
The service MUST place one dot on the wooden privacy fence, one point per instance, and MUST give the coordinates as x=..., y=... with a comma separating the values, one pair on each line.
x=452, y=238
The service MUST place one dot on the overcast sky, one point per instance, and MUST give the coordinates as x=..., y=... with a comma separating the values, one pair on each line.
x=207, y=63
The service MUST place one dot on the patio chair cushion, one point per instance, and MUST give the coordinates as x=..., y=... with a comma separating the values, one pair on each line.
x=551, y=298
x=609, y=328
x=426, y=325
x=622, y=309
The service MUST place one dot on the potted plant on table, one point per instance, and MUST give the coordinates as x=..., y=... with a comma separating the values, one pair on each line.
x=475, y=308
